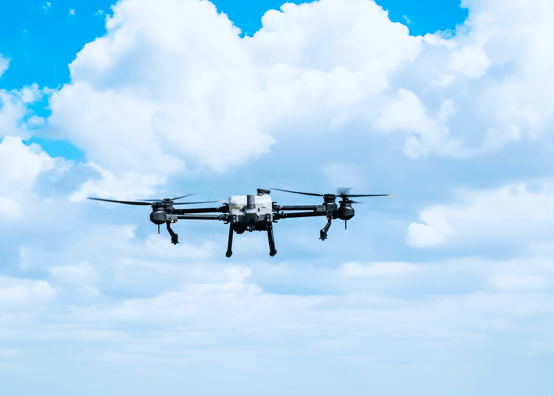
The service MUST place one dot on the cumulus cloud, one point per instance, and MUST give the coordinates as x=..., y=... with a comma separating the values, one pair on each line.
x=121, y=185
x=4, y=63
x=157, y=94
x=174, y=83
x=514, y=215
x=407, y=114
x=471, y=61
x=15, y=117
x=390, y=268
x=172, y=88
x=83, y=272
x=20, y=165
x=15, y=290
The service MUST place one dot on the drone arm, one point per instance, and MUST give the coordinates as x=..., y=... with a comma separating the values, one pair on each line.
x=284, y=215
x=221, y=209
x=222, y=217
x=318, y=208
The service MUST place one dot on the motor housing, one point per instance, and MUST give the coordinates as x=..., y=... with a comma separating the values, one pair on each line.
x=345, y=211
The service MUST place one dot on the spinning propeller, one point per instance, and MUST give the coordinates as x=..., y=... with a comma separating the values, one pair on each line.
x=345, y=211
x=341, y=193
x=165, y=204
x=154, y=202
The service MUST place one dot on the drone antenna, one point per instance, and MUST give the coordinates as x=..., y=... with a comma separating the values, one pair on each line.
x=158, y=229
x=345, y=224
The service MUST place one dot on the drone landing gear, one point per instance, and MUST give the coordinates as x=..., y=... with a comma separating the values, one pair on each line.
x=323, y=232
x=230, y=243
x=271, y=240
x=174, y=236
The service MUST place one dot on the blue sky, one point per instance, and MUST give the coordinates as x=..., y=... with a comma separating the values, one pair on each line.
x=444, y=289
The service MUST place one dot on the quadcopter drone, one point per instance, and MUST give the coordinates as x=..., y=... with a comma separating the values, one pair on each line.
x=250, y=212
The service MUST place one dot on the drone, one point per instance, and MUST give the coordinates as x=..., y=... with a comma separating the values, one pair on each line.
x=250, y=212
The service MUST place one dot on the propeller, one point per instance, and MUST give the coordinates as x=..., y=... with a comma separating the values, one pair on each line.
x=341, y=192
x=152, y=202
x=165, y=199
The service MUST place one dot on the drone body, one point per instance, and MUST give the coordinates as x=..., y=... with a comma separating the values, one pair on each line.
x=250, y=213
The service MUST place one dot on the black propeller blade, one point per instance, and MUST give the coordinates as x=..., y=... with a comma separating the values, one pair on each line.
x=341, y=192
x=366, y=195
x=166, y=200
x=190, y=203
x=149, y=202
x=184, y=196
x=123, y=202
x=298, y=192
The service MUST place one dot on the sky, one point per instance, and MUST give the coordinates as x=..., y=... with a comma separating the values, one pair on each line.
x=446, y=288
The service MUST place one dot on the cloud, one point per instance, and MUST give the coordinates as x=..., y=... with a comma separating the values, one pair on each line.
x=14, y=290
x=15, y=117
x=156, y=88
x=406, y=113
x=175, y=83
x=81, y=273
x=20, y=165
x=471, y=61
x=123, y=185
x=513, y=215
x=172, y=89
x=4, y=63
x=390, y=268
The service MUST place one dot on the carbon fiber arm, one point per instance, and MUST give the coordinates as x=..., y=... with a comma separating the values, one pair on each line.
x=222, y=217
x=221, y=209
x=283, y=215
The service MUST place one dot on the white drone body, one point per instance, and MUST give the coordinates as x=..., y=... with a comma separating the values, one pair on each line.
x=250, y=212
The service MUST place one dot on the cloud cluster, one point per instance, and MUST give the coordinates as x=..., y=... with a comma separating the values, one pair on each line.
x=514, y=215
x=15, y=117
x=174, y=84
x=20, y=166
x=172, y=89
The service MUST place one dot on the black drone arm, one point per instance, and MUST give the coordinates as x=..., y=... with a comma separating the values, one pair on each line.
x=284, y=215
x=221, y=209
x=319, y=208
x=222, y=217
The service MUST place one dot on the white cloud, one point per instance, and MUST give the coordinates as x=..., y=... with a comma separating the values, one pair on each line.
x=514, y=215
x=81, y=273
x=406, y=113
x=471, y=61
x=387, y=268
x=14, y=111
x=155, y=88
x=14, y=290
x=513, y=282
x=20, y=165
x=123, y=185
x=4, y=63
x=9, y=209
x=172, y=88
x=174, y=83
